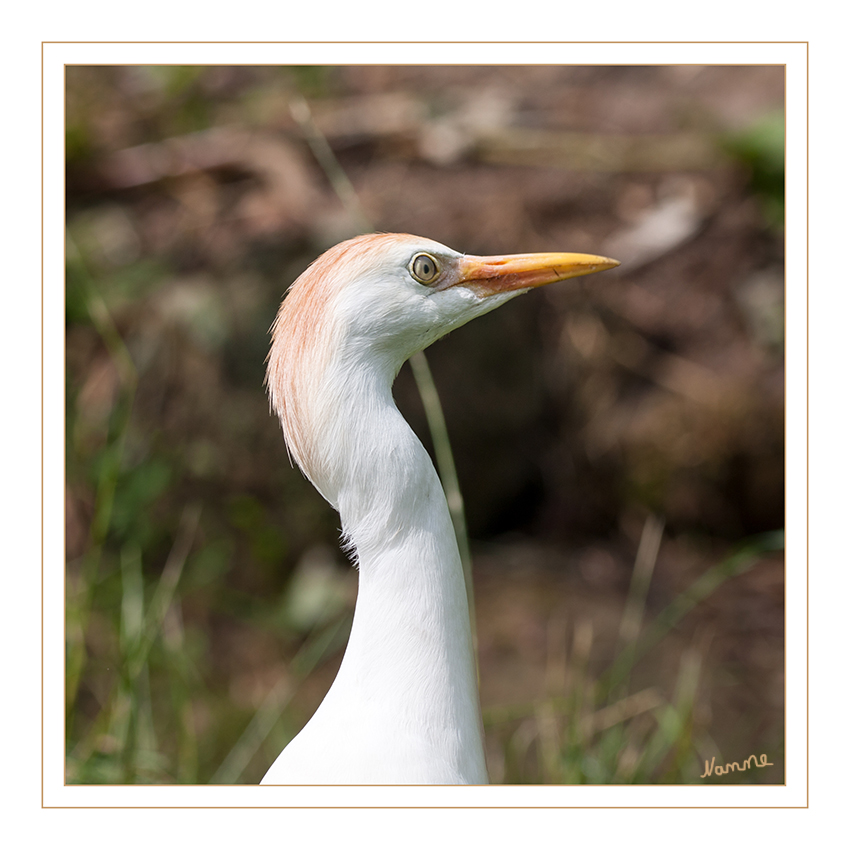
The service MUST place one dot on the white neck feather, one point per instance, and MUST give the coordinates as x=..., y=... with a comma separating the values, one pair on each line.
x=404, y=707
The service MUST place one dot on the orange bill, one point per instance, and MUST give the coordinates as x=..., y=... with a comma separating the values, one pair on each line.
x=492, y=275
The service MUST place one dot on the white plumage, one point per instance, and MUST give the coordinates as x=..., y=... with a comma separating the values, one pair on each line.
x=404, y=706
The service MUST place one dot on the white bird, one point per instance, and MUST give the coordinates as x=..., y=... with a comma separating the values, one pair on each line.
x=404, y=707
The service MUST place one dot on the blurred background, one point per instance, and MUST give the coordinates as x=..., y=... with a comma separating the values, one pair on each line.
x=619, y=439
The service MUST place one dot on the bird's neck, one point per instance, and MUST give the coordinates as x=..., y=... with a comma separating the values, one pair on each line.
x=410, y=655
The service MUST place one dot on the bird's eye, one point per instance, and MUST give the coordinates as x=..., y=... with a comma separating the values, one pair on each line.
x=424, y=268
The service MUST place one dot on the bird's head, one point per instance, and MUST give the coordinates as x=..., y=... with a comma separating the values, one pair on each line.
x=371, y=302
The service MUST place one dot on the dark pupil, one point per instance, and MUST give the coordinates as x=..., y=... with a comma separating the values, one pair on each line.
x=424, y=268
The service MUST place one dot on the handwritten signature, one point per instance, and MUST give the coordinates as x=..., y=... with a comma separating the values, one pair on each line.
x=721, y=770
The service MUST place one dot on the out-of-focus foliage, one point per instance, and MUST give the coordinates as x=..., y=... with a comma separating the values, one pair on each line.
x=761, y=147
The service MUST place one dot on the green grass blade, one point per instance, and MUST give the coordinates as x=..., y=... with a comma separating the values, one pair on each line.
x=318, y=647
x=735, y=565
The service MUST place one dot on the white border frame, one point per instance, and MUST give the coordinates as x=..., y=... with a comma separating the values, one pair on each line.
x=794, y=55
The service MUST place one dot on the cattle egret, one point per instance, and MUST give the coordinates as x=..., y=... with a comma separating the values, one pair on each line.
x=404, y=707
